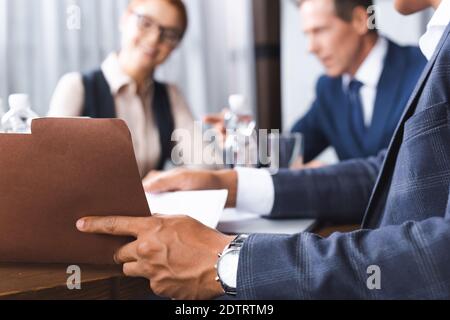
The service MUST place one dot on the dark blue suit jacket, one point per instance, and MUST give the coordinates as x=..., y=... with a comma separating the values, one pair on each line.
x=328, y=121
x=406, y=229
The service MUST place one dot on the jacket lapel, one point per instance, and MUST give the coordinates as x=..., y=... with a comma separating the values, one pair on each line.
x=381, y=190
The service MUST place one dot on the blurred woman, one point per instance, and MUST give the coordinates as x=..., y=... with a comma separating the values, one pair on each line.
x=124, y=87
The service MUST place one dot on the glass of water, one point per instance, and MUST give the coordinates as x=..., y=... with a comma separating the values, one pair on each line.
x=284, y=150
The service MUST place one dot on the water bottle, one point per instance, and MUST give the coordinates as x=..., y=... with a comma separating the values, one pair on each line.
x=18, y=118
x=241, y=142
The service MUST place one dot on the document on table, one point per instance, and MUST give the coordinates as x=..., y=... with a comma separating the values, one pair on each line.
x=205, y=206
x=237, y=222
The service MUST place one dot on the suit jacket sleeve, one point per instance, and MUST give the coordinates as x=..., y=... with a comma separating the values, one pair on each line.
x=412, y=260
x=314, y=139
x=337, y=193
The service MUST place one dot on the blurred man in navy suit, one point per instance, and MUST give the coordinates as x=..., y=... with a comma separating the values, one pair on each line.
x=367, y=84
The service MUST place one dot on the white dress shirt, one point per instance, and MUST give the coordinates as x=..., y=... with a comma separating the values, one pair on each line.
x=435, y=29
x=255, y=186
x=255, y=191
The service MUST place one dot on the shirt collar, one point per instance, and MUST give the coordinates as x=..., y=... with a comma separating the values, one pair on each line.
x=435, y=29
x=370, y=71
x=117, y=78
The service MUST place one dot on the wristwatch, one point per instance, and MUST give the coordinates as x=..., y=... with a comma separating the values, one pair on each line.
x=227, y=265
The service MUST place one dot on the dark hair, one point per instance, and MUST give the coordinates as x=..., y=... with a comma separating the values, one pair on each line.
x=344, y=8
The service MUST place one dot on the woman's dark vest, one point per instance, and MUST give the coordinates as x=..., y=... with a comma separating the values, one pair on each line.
x=99, y=103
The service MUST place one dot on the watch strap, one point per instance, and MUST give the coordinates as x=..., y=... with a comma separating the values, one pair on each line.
x=236, y=244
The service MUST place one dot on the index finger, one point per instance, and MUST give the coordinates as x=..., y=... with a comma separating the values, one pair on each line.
x=112, y=225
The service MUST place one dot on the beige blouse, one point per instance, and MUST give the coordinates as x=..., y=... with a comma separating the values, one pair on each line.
x=132, y=106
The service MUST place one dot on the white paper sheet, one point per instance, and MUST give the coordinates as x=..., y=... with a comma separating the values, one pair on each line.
x=205, y=206
x=237, y=222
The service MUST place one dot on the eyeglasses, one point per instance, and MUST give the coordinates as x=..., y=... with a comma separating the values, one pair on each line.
x=169, y=36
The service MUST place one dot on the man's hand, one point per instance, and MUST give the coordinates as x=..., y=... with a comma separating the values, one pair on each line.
x=177, y=254
x=217, y=121
x=188, y=180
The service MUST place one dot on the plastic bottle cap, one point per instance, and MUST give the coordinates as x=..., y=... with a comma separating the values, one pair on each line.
x=19, y=101
x=238, y=104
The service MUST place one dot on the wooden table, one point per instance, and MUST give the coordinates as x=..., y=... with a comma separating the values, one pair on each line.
x=47, y=282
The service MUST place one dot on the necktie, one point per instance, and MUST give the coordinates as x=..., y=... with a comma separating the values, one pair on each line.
x=356, y=110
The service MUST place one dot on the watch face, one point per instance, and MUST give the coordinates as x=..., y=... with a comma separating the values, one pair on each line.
x=227, y=268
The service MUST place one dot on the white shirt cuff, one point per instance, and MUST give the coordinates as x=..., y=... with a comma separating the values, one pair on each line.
x=255, y=192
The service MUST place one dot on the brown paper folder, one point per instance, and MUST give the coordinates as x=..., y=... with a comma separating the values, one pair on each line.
x=66, y=169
